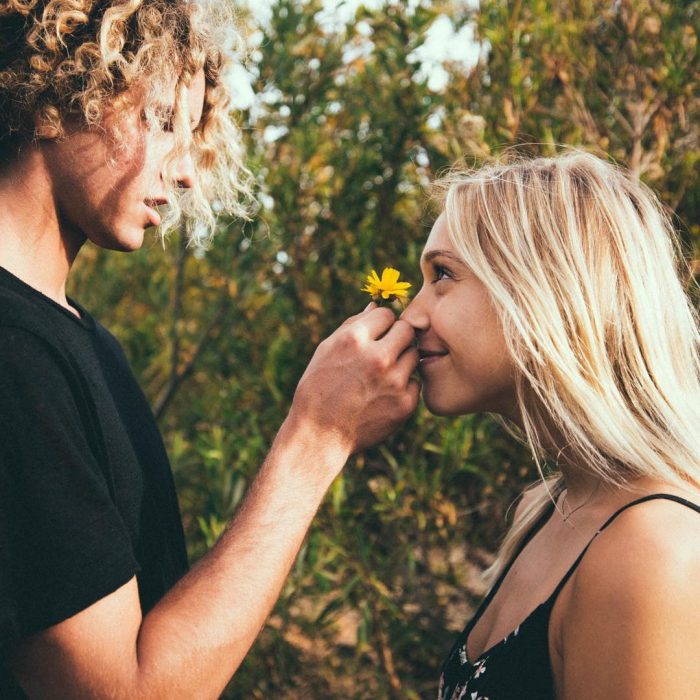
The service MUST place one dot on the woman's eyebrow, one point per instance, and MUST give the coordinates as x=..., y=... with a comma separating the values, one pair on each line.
x=432, y=254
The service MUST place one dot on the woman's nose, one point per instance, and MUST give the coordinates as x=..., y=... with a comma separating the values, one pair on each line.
x=416, y=315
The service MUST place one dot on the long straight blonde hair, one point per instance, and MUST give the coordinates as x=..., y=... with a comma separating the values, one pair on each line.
x=586, y=273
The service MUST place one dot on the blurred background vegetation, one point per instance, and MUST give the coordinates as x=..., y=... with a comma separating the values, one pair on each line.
x=350, y=123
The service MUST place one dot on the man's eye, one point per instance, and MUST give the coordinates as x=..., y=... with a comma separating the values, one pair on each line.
x=164, y=119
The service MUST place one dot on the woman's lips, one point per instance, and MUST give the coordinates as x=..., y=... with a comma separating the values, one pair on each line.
x=430, y=357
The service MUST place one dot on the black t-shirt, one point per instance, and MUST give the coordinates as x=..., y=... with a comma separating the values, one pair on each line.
x=87, y=498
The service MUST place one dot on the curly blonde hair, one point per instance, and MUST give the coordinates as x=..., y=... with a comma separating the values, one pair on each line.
x=67, y=59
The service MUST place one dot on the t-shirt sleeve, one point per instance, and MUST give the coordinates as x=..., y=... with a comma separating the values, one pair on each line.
x=63, y=543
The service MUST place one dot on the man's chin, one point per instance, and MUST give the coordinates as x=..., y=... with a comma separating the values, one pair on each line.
x=131, y=246
x=123, y=241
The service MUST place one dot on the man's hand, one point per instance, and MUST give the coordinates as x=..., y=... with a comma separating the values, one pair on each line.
x=358, y=388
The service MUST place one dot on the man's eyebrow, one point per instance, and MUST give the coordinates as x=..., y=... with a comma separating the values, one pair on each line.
x=432, y=254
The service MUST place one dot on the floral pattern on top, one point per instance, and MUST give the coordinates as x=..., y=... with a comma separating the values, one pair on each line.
x=462, y=691
x=463, y=680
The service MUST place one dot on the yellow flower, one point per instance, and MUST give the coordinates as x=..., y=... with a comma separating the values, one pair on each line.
x=388, y=287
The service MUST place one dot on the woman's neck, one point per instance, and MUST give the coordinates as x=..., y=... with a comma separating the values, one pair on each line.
x=580, y=487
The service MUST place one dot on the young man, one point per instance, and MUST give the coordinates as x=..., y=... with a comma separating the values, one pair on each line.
x=95, y=597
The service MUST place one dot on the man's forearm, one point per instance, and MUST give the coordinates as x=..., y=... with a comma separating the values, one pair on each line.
x=193, y=640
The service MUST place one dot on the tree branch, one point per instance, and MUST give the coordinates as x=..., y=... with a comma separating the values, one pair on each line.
x=177, y=378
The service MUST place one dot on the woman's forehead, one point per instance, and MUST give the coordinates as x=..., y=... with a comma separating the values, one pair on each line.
x=439, y=236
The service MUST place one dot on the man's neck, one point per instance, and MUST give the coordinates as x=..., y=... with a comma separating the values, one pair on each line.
x=32, y=245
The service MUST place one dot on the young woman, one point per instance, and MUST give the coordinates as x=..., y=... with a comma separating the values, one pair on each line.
x=107, y=111
x=553, y=297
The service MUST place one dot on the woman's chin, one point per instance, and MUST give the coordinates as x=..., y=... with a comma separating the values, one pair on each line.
x=440, y=407
x=450, y=404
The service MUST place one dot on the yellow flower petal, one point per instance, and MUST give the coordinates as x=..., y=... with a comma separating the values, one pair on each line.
x=390, y=277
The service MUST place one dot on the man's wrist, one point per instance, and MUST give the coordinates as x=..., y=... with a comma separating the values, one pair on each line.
x=318, y=454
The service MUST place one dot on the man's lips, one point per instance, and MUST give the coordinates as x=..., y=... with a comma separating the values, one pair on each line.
x=153, y=214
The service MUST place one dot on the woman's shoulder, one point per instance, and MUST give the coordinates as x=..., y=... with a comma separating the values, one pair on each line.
x=653, y=541
x=634, y=597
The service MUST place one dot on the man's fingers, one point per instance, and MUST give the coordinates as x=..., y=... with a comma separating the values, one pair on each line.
x=414, y=387
x=362, y=313
x=378, y=321
x=409, y=395
x=375, y=321
x=399, y=337
x=407, y=362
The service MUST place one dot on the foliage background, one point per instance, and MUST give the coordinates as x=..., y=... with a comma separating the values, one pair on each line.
x=344, y=140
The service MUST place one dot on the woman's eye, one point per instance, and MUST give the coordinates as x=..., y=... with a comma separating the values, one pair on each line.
x=440, y=273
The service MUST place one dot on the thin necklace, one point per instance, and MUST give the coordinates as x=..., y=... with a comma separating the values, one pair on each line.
x=564, y=502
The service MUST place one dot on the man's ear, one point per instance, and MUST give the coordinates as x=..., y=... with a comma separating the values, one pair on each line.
x=47, y=125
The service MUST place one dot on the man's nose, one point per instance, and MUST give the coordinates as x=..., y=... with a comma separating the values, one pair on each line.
x=185, y=173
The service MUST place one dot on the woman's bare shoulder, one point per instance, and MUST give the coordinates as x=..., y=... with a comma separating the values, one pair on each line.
x=634, y=597
x=654, y=540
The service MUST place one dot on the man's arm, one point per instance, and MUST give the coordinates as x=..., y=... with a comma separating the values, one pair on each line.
x=356, y=390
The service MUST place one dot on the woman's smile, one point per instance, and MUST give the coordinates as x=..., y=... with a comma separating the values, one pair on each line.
x=430, y=357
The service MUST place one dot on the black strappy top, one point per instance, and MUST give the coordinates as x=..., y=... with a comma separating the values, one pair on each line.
x=518, y=667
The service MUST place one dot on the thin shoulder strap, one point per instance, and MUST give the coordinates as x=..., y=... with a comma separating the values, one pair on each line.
x=644, y=499
x=534, y=529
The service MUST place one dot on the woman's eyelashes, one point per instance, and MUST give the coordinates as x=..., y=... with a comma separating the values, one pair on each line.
x=441, y=273
x=434, y=272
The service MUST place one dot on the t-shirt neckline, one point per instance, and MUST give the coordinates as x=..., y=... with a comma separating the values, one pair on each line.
x=85, y=320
